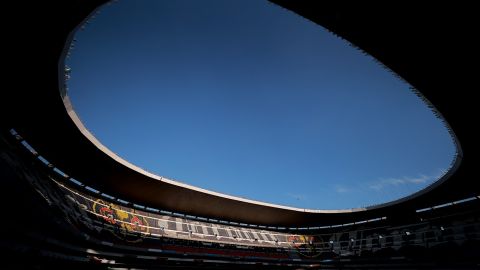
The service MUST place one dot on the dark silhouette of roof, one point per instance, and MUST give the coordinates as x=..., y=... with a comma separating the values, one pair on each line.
x=433, y=48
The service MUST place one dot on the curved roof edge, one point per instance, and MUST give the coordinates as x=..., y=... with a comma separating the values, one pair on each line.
x=77, y=121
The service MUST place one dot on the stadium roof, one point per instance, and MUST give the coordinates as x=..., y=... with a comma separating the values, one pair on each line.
x=425, y=49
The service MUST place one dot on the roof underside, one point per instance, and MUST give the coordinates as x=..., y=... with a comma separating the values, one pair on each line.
x=424, y=48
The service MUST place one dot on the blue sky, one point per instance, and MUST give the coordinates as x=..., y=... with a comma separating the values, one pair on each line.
x=249, y=99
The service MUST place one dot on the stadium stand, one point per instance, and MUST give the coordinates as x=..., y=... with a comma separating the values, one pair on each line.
x=451, y=228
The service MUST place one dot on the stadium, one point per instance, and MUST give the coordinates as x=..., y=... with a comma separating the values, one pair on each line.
x=72, y=203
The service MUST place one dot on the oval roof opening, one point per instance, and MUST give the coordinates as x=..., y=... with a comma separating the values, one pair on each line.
x=249, y=99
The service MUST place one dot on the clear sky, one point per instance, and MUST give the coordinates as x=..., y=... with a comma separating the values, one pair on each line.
x=249, y=99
